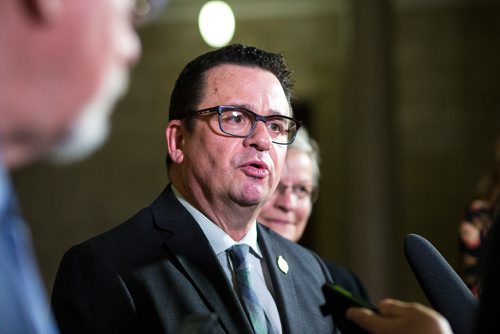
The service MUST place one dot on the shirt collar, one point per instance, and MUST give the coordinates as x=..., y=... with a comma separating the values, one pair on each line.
x=219, y=240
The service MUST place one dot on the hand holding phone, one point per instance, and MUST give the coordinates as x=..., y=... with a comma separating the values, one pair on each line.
x=338, y=300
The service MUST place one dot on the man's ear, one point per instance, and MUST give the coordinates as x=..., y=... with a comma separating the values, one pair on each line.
x=175, y=141
x=44, y=10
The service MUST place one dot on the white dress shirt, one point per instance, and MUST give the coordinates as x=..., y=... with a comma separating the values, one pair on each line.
x=220, y=241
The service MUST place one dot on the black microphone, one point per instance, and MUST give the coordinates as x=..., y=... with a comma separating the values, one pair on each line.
x=445, y=290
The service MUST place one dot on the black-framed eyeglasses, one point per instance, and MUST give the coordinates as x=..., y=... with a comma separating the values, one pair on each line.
x=300, y=191
x=240, y=122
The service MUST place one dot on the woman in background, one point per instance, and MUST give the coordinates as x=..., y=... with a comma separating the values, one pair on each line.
x=287, y=211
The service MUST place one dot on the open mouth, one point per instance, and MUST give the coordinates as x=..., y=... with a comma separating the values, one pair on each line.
x=256, y=169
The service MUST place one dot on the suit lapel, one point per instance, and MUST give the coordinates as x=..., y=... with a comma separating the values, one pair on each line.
x=283, y=283
x=187, y=243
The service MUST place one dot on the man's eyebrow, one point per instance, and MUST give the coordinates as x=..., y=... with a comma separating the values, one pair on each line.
x=273, y=112
x=237, y=105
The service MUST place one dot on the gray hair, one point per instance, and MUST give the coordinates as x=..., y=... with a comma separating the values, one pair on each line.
x=304, y=143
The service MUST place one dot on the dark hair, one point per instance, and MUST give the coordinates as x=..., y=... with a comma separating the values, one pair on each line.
x=190, y=84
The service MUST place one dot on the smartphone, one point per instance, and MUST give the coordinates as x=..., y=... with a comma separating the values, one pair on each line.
x=338, y=300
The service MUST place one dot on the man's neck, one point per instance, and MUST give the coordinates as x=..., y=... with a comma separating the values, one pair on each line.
x=233, y=218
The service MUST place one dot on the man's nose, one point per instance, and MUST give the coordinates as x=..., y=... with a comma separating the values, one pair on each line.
x=128, y=44
x=260, y=138
x=134, y=51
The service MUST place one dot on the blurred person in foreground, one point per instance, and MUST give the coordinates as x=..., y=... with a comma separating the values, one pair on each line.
x=288, y=209
x=63, y=64
x=197, y=250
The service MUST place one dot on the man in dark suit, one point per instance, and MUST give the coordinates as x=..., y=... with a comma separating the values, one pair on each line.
x=230, y=124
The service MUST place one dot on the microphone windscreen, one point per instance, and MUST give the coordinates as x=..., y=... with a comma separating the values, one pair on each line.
x=445, y=290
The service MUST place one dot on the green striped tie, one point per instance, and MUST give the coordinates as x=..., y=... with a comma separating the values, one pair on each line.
x=254, y=309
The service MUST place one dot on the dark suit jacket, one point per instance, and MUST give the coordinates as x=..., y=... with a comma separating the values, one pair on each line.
x=147, y=274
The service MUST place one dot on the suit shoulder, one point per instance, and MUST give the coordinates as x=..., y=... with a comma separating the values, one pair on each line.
x=124, y=233
x=301, y=256
x=295, y=248
x=122, y=245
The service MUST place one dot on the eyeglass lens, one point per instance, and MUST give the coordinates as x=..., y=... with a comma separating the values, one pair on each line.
x=242, y=123
x=299, y=190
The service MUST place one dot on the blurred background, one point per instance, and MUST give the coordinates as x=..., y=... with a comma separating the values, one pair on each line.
x=402, y=96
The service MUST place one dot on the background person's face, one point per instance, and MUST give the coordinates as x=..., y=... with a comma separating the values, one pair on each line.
x=284, y=212
x=227, y=169
x=69, y=66
x=115, y=38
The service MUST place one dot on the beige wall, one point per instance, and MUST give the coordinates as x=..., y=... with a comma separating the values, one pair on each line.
x=441, y=116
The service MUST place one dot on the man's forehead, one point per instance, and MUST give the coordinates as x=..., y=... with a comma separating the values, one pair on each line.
x=223, y=79
x=228, y=69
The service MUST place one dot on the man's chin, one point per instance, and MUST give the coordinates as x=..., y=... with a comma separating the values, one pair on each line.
x=252, y=199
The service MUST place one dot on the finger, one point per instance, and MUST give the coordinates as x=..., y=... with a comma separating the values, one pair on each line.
x=393, y=308
x=358, y=311
x=363, y=317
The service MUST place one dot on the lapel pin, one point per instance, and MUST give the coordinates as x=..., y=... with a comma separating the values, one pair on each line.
x=282, y=264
